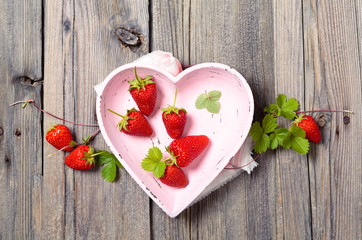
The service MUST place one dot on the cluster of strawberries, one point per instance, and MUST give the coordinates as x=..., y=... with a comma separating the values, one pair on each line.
x=183, y=150
x=81, y=158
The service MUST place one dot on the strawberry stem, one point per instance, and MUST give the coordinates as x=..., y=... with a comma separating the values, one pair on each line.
x=137, y=77
x=33, y=102
x=115, y=113
x=98, y=153
x=345, y=111
x=174, y=101
x=165, y=160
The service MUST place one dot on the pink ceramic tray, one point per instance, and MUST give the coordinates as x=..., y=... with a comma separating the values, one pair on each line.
x=227, y=130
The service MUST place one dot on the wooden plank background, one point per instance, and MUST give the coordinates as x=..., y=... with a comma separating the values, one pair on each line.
x=55, y=52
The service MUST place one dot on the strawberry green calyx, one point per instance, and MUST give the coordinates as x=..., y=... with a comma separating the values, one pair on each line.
x=173, y=157
x=173, y=109
x=139, y=82
x=124, y=122
x=51, y=128
x=298, y=119
x=89, y=156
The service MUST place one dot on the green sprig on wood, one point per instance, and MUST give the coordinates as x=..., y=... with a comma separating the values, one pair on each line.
x=268, y=134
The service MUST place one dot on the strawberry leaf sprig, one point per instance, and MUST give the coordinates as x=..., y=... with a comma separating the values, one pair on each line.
x=210, y=101
x=283, y=107
x=153, y=162
x=166, y=170
x=110, y=163
x=268, y=134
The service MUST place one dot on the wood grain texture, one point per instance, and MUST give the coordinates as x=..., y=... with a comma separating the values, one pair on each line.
x=81, y=50
x=292, y=191
x=20, y=129
x=170, y=26
x=333, y=81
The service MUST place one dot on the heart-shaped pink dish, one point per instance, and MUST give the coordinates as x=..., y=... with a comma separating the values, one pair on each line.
x=226, y=130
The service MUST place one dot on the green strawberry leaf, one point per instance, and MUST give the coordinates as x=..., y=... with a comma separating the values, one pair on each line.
x=281, y=99
x=209, y=101
x=269, y=123
x=289, y=108
x=297, y=131
x=213, y=106
x=214, y=95
x=300, y=145
x=280, y=134
x=118, y=164
x=296, y=140
x=104, y=157
x=152, y=162
x=155, y=153
x=288, y=114
x=109, y=171
x=273, y=144
x=291, y=105
x=283, y=107
x=273, y=108
x=201, y=101
x=110, y=163
x=287, y=142
x=260, y=138
x=262, y=145
x=256, y=131
x=277, y=137
x=160, y=169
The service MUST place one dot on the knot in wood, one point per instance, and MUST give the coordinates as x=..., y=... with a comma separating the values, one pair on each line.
x=17, y=132
x=66, y=25
x=27, y=81
x=128, y=38
x=322, y=120
x=346, y=120
x=1, y=131
x=7, y=159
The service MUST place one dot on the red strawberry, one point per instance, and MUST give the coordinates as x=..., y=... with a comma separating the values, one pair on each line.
x=134, y=123
x=174, y=119
x=144, y=93
x=59, y=136
x=81, y=158
x=307, y=123
x=174, y=177
x=186, y=149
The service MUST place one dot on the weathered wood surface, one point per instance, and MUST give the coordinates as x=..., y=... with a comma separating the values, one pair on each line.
x=56, y=51
x=333, y=74
x=20, y=130
x=80, y=40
